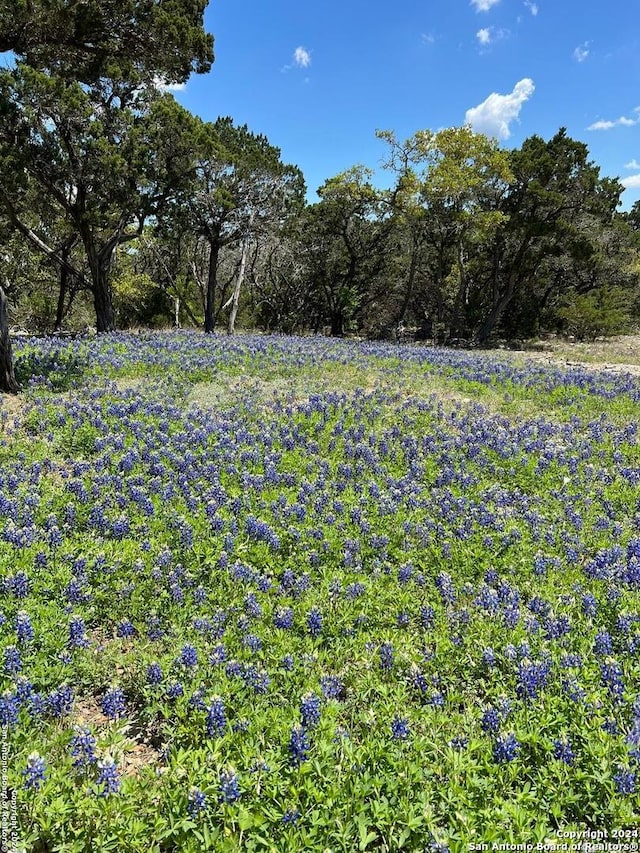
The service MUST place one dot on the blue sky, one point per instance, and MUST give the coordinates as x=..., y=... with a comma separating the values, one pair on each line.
x=319, y=78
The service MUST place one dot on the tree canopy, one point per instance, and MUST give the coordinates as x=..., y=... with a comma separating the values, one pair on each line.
x=125, y=39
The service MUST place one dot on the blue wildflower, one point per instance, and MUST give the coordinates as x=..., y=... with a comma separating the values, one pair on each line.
x=188, y=656
x=625, y=781
x=310, y=710
x=83, y=746
x=298, y=745
x=291, y=816
x=113, y=703
x=24, y=628
x=399, y=728
x=563, y=751
x=196, y=802
x=34, y=772
x=505, y=748
x=229, y=786
x=314, y=622
x=108, y=777
x=386, y=656
x=216, y=717
x=12, y=660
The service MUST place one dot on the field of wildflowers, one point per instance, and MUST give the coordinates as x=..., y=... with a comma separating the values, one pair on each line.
x=279, y=594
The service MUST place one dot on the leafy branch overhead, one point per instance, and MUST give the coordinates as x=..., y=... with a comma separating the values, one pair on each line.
x=120, y=39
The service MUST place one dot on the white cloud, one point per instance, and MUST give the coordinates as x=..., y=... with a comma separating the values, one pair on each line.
x=581, y=52
x=483, y=5
x=631, y=182
x=632, y=164
x=494, y=115
x=427, y=38
x=532, y=7
x=489, y=35
x=301, y=57
x=623, y=121
x=163, y=86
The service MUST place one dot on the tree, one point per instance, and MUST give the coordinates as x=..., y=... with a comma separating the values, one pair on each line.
x=107, y=156
x=240, y=188
x=555, y=207
x=342, y=242
x=87, y=40
x=446, y=197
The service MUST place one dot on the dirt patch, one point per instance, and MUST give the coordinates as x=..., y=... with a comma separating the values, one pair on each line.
x=553, y=360
x=137, y=756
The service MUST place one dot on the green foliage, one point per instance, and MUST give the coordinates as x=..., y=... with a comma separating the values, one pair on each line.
x=602, y=313
x=378, y=468
x=127, y=39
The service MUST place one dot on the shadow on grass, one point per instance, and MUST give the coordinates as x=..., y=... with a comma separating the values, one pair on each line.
x=56, y=369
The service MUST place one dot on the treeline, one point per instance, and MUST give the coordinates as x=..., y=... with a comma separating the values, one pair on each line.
x=118, y=207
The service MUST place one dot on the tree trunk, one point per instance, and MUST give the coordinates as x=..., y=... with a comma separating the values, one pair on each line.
x=99, y=263
x=212, y=281
x=62, y=292
x=105, y=318
x=235, y=299
x=337, y=324
x=65, y=275
x=8, y=382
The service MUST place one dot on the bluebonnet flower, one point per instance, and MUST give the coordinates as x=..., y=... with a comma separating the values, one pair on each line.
x=196, y=802
x=505, y=748
x=563, y=751
x=20, y=585
x=252, y=642
x=572, y=689
x=427, y=617
x=610, y=726
x=611, y=675
x=314, y=622
x=188, y=656
x=603, y=644
x=252, y=606
x=83, y=746
x=491, y=721
x=291, y=816
x=531, y=677
x=9, y=709
x=386, y=656
x=625, y=781
x=298, y=745
x=154, y=674
x=34, y=772
x=216, y=717
x=60, y=701
x=444, y=585
x=355, y=590
x=154, y=631
x=108, y=777
x=113, y=703
x=402, y=619
x=125, y=629
x=310, y=710
x=175, y=690
x=489, y=657
x=459, y=742
x=24, y=628
x=283, y=618
x=331, y=686
x=77, y=638
x=12, y=661
x=288, y=662
x=399, y=728
x=229, y=786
